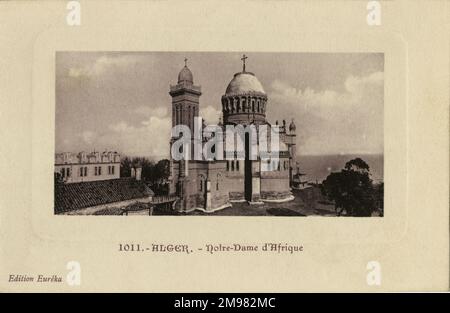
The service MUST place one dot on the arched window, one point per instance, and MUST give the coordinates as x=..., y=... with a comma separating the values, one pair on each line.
x=237, y=165
x=213, y=151
x=228, y=166
x=232, y=165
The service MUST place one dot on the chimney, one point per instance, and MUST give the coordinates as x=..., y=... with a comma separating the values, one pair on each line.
x=138, y=172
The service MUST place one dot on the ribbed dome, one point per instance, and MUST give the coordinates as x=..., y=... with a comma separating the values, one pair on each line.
x=244, y=82
x=185, y=75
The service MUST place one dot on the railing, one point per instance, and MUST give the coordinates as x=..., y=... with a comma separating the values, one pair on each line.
x=184, y=85
x=163, y=199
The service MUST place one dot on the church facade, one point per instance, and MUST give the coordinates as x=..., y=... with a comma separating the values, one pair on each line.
x=211, y=185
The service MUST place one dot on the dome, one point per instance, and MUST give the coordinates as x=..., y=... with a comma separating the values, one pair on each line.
x=244, y=82
x=185, y=75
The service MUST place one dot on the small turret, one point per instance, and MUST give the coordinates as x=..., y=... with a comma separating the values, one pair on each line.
x=292, y=127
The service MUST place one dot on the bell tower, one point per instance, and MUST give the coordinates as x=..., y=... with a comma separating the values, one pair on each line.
x=185, y=107
x=185, y=99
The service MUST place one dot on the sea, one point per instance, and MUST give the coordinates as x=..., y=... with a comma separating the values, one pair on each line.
x=317, y=167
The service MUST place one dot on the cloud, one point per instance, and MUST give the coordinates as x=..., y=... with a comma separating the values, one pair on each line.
x=121, y=127
x=160, y=111
x=149, y=138
x=210, y=114
x=88, y=136
x=355, y=84
x=105, y=64
x=330, y=121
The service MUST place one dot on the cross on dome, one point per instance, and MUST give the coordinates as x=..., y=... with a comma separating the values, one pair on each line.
x=244, y=57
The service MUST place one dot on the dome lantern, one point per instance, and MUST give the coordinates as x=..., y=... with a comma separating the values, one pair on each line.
x=185, y=74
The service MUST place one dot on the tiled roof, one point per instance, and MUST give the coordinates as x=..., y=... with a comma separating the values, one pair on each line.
x=75, y=196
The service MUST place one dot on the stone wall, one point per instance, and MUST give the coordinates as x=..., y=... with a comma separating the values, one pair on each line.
x=275, y=195
x=226, y=186
x=275, y=184
x=195, y=186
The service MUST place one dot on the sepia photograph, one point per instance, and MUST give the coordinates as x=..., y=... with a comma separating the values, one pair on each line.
x=219, y=134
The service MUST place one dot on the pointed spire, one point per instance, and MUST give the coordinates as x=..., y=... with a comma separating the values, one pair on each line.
x=292, y=127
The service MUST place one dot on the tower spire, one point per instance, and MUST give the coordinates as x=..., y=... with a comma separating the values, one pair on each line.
x=244, y=57
x=185, y=61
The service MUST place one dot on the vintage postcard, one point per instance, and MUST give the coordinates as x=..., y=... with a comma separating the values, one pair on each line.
x=190, y=146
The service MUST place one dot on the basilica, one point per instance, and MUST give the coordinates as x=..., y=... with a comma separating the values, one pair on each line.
x=211, y=185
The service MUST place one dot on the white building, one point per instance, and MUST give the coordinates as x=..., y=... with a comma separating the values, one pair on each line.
x=85, y=167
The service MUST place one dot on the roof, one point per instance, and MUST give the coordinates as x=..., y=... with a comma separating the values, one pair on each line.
x=185, y=75
x=75, y=196
x=244, y=82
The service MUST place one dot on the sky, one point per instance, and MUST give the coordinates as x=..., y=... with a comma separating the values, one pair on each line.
x=119, y=101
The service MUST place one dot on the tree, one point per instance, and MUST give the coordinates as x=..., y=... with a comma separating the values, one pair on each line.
x=160, y=176
x=351, y=189
x=379, y=197
x=154, y=174
x=125, y=167
x=162, y=171
x=357, y=165
x=147, y=168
